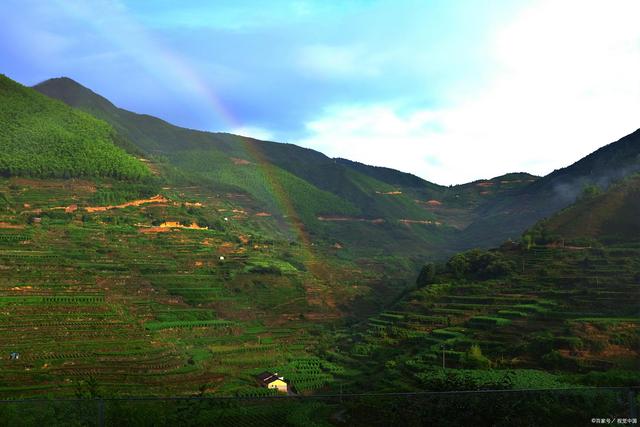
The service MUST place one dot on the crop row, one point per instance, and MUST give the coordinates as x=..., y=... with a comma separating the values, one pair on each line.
x=154, y=326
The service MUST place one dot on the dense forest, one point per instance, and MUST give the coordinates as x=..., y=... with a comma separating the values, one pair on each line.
x=42, y=137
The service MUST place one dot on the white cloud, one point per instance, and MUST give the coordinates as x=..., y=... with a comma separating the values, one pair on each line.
x=566, y=81
x=341, y=61
x=253, y=132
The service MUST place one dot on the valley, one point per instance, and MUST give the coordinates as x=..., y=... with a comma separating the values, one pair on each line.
x=142, y=259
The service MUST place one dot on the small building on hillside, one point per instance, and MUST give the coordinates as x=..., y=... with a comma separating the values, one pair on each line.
x=273, y=381
x=14, y=355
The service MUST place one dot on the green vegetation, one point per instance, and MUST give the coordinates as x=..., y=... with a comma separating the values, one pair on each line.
x=304, y=266
x=45, y=138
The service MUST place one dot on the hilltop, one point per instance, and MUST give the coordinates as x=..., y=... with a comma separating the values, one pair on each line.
x=358, y=205
x=606, y=216
x=43, y=137
x=559, y=189
x=285, y=180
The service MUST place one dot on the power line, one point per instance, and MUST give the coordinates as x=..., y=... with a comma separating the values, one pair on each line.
x=329, y=396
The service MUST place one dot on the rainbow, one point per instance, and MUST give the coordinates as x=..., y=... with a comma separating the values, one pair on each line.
x=117, y=26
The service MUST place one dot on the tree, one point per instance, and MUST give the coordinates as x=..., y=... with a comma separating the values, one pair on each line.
x=427, y=275
x=458, y=265
x=474, y=358
x=590, y=191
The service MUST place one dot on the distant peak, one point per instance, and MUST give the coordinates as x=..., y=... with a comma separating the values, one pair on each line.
x=72, y=93
x=60, y=81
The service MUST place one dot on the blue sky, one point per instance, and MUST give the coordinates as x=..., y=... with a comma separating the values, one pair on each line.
x=449, y=90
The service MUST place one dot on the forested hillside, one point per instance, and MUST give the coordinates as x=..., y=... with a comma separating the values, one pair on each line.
x=42, y=137
x=332, y=200
x=609, y=216
x=557, y=190
x=360, y=206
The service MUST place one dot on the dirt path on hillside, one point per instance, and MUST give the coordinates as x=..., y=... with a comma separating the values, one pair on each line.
x=350, y=219
x=389, y=193
x=155, y=199
x=419, y=221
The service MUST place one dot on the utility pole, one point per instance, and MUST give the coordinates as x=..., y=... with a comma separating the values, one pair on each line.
x=443, y=364
x=633, y=406
x=100, y=412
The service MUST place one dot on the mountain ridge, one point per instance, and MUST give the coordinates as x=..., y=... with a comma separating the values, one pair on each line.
x=44, y=137
x=484, y=212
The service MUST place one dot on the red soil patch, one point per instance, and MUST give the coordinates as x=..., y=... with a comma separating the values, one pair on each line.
x=389, y=193
x=154, y=230
x=614, y=351
x=8, y=225
x=484, y=193
x=263, y=214
x=237, y=161
x=21, y=288
x=484, y=184
x=226, y=248
x=515, y=181
x=432, y=202
x=71, y=208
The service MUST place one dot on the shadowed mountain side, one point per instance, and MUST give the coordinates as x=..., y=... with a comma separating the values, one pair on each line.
x=610, y=216
x=556, y=191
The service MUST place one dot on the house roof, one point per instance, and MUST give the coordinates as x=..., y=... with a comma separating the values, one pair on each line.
x=264, y=376
x=268, y=377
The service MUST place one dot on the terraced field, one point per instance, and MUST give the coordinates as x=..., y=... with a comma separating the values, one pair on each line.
x=567, y=309
x=108, y=297
x=87, y=296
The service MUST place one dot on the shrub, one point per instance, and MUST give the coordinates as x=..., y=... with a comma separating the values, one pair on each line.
x=474, y=358
x=479, y=264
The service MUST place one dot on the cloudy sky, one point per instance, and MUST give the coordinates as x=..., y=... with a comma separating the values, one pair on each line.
x=451, y=91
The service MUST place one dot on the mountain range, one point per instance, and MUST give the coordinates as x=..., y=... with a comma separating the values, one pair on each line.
x=357, y=204
x=138, y=257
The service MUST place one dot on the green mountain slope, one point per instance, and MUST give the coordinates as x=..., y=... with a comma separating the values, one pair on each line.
x=226, y=151
x=550, y=312
x=42, y=137
x=356, y=203
x=198, y=289
x=556, y=191
x=324, y=193
x=612, y=216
